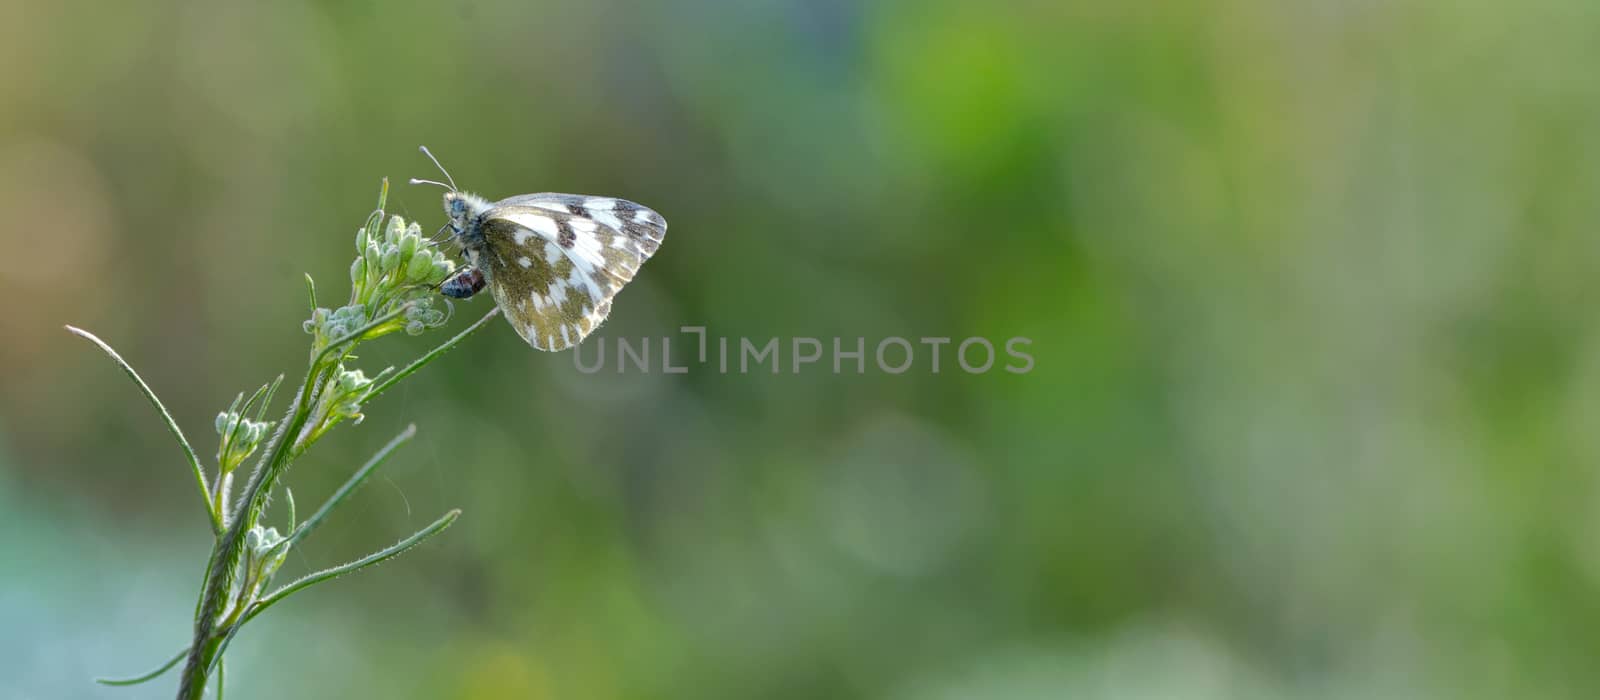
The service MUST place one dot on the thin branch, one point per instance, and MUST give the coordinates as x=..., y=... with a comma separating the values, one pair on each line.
x=172, y=426
x=149, y=675
x=431, y=355
x=377, y=557
x=308, y=580
x=349, y=486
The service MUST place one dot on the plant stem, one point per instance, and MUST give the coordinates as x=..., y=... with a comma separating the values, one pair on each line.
x=229, y=547
x=288, y=442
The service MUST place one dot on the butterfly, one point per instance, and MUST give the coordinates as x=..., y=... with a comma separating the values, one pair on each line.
x=553, y=262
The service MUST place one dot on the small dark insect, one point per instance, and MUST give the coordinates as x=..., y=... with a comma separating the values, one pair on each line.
x=465, y=284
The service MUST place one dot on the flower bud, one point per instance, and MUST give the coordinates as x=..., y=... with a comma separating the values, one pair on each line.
x=442, y=268
x=345, y=320
x=259, y=543
x=391, y=233
x=358, y=271
x=270, y=538
x=361, y=239
x=374, y=257
x=408, y=246
x=317, y=320
x=391, y=258
x=352, y=380
x=415, y=327
x=420, y=268
x=224, y=420
x=349, y=409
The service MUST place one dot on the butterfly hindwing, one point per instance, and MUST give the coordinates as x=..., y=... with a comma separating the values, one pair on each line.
x=553, y=272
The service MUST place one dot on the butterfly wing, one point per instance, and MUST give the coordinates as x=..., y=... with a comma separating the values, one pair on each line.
x=636, y=221
x=554, y=272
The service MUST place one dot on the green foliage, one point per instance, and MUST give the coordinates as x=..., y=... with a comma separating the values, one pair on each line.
x=392, y=282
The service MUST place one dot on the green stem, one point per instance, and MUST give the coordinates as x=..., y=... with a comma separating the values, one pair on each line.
x=301, y=531
x=230, y=544
x=432, y=355
x=308, y=580
x=229, y=547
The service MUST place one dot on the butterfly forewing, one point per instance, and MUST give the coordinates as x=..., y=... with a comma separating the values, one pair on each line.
x=554, y=271
x=636, y=221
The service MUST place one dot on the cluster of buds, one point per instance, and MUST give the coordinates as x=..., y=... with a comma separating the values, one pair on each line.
x=400, y=258
x=340, y=399
x=347, y=392
x=240, y=438
x=264, y=552
x=397, y=269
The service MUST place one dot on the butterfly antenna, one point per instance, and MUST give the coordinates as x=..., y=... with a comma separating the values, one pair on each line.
x=420, y=181
x=436, y=164
x=439, y=236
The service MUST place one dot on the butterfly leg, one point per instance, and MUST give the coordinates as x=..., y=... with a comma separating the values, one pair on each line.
x=465, y=284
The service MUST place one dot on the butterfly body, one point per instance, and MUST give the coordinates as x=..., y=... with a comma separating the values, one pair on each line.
x=553, y=262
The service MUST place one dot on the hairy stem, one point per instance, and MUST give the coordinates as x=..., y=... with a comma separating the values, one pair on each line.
x=229, y=547
x=288, y=442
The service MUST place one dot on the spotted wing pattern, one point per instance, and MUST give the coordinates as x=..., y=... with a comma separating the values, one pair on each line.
x=555, y=261
x=638, y=222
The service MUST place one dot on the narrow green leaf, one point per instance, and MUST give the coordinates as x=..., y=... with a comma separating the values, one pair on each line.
x=172, y=426
x=377, y=557
x=261, y=411
x=432, y=355
x=311, y=291
x=350, y=485
x=288, y=495
x=147, y=676
x=254, y=397
x=374, y=224
x=308, y=580
x=222, y=448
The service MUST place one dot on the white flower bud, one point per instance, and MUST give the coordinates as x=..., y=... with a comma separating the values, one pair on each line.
x=442, y=269
x=391, y=233
x=408, y=246
x=374, y=257
x=420, y=268
x=391, y=258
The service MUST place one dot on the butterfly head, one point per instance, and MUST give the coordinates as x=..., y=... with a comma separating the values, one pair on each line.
x=459, y=206
x=456, y=207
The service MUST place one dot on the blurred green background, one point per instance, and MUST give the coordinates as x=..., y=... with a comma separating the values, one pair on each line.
x=1313, y=411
